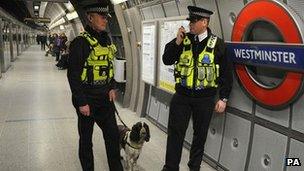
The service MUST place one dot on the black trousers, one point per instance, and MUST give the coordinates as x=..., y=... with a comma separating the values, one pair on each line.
x=57, y=55
x=181, y=109
x=108, y=125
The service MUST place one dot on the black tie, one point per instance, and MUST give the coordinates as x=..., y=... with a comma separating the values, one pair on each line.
x=196, y=40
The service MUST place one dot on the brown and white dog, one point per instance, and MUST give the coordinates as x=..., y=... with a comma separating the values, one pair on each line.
x=132, y=142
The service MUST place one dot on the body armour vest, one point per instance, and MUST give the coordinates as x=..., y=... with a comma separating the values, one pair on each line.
x=198, y=73
x=98, y=68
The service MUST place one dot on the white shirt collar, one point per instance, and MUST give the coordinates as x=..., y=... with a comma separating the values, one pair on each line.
x=202, y=36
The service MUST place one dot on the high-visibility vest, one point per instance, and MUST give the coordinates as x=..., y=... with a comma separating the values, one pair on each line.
x=199, y=73
x=98, y=68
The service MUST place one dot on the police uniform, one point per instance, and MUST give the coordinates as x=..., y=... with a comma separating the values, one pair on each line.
x=90, y=74
x=201, y=69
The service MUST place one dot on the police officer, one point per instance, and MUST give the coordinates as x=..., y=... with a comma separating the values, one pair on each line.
x=90, y=74
x=201, y=68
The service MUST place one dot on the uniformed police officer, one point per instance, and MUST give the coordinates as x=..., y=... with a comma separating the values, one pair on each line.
x=201, y=68
x=90, y=74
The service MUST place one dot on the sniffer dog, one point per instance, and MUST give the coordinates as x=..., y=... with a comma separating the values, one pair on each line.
x=132, y=142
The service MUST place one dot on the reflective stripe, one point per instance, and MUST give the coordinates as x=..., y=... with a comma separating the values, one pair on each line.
x=207, y=70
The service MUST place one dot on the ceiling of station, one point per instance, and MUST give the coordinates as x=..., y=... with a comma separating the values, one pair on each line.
x=17, y=9
x=39, y=14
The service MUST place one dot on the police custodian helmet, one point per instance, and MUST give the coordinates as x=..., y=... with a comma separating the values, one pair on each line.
x=196, y=13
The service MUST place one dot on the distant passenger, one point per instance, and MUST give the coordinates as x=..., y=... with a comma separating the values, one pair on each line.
x=38, y=37
x=63, y=62
x=90, y=74
x=43, y=41
x=57, y=46
x=201, y=68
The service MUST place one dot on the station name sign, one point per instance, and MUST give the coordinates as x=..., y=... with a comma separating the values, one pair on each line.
x=285, y=56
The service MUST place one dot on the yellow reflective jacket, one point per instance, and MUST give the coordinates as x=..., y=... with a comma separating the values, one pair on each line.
x=98, y=68
x=200, y=73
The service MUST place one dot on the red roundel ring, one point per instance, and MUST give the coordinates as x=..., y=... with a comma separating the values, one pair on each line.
x=276, y=14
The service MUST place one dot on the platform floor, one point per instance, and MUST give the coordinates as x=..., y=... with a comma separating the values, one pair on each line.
x=38, y=129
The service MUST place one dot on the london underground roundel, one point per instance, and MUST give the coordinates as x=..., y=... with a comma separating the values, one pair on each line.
x=291, y=86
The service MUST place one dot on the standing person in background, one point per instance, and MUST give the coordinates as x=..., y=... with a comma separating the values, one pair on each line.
x=201, y=67
x=90, y=74
x=38, y=39
x=63, y=40
x=57, y=46
x=43, y=41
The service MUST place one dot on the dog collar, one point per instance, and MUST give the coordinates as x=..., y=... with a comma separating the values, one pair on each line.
x=133, y=146
x=126, y=141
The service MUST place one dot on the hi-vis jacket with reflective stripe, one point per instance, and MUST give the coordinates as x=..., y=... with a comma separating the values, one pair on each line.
x=98, y=68
x=201, y=73
x=223, y=80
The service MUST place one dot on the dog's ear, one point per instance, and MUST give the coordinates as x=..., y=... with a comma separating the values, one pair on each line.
x=135, y=132
x=147, y=138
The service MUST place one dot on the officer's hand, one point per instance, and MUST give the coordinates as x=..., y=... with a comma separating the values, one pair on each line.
x=85, y=110
x=180, y=35
x=112, y=95
x=220, y=106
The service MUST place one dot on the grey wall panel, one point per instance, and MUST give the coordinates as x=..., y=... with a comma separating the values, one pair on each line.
x=2, y=45
x=235, y=143
x=148, y=14
x=296, y=151
x=7, y=57
x=214, y=20
x=268, y=150
x=238, y=99
x=149, y=100
x=113, y=26
x=133, y=25
x=69, y=31
x=280, y=117
x=22, y=40
x=298, y=115
x=214, y=137
x=18, y=40
x=171, y=9
x=11, y=42
x=163, y=116
x=182, y=6
x=158, y=11
x=124, y=25
x=164, y=98
x=154, y=108
x=78, y=26
x=15, y=50
x=19, y=49
x=297, y=5
x=136, y=21
x=226, y=14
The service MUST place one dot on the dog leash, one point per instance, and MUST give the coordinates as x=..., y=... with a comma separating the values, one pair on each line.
x=115, y=110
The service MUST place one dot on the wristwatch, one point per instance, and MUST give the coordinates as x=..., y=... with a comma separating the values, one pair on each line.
x=224, y=100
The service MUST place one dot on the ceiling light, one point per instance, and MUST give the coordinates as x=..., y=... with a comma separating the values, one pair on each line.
x=114, y=2
x=36, y=7
x=72, y=15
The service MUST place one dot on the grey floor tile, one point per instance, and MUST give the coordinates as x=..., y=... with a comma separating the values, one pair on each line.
x=46, y=156
x=38, y=124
